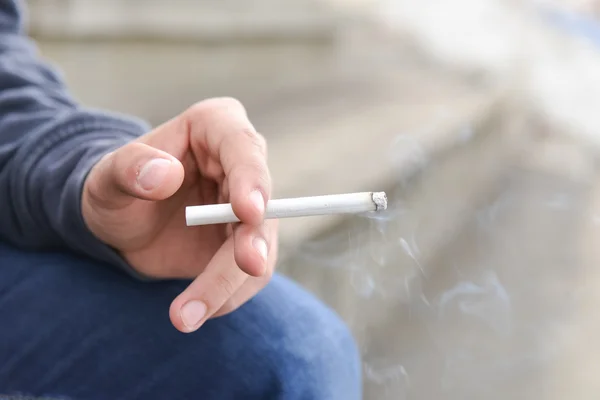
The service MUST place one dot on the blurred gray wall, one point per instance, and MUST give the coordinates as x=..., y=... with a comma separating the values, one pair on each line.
x=154, y=58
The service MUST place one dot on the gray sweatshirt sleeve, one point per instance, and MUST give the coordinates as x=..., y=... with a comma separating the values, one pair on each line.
x=48, y=143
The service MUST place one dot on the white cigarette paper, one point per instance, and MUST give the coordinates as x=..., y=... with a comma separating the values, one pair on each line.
x=351, y=203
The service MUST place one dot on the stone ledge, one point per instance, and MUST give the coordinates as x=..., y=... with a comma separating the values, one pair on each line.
x=375, y=147
x=427, y=208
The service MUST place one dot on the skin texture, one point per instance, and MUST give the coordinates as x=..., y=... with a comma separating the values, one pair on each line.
x=134, y=200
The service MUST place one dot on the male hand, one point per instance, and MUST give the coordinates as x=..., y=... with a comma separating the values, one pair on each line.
x=134, y=200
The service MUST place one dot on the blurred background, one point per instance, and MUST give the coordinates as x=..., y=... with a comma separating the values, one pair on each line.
x=479, y=118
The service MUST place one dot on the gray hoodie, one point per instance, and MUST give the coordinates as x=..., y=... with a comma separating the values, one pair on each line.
x=48, y=143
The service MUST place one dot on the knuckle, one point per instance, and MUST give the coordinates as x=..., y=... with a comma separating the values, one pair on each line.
x=258, y=166
x=215, y=104
x=254, y=171
x=257, y=141
x=260, y=151
x=196, y=108
x=134, y=147
x=227, y=102
x=253, y=165
x=225, y=284
x=250, y=134
x=253, y=142
x=262, y=142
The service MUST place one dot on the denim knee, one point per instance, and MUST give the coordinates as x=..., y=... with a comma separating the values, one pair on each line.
x=116, y=340
x=311, y=350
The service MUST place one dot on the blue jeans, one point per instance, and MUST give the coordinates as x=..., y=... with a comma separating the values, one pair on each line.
x=73, y=329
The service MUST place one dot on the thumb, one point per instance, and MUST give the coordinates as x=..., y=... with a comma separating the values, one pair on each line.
x=134, y=171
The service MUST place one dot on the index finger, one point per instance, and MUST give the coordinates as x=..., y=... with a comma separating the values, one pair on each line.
x=209, y=291
x=220, y=129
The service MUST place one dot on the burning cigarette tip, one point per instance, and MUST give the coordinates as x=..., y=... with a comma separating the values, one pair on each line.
x=380, y=200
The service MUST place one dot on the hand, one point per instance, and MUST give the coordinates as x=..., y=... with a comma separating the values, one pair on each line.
x=134, y=200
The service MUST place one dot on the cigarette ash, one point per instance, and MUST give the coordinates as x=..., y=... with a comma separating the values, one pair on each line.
x=380, y=200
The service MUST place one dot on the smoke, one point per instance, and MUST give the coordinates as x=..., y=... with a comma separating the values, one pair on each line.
x=480, y=314
x=559, y=202
x=412, y=251
x=486, y=302
x=381, y=373
x=476, y=315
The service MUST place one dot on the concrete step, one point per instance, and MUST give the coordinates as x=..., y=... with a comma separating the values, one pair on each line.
x=439, y=177
x=158, y=80
x=411, y=124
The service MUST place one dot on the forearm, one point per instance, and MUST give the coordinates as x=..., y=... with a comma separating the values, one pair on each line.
x=48, y=143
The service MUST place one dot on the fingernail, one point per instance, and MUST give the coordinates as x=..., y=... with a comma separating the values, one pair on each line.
x=258, y=200
x=192, y=313
x=261, y=246
x=153, y=173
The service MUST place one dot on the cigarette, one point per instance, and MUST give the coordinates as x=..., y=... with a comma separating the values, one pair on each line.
x=351, y=203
